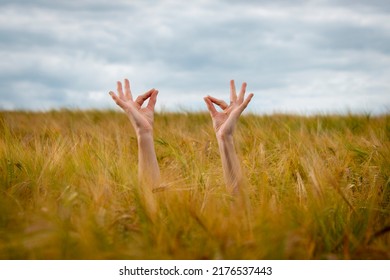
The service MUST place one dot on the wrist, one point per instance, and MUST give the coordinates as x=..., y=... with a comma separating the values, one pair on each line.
x=224, y=137
x=144, y=133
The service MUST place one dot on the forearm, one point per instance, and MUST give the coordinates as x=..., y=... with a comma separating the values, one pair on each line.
x=230, y=163
x=148, y=169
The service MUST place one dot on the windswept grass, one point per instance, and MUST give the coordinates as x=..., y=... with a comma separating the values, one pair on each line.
x=317, y=188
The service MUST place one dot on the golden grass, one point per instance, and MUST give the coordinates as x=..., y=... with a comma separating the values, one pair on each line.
x=317, y=188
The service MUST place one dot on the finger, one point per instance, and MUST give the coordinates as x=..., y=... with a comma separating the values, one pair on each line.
x=117, y=100
x=210, y=106
x=242, y=93
x=222, y=104
x=233, y=95
x=152, y=100
x=246, y=102
x=127, y=90
x=141, y=99
x=120, y=90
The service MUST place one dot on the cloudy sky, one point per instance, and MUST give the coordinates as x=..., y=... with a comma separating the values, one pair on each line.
x=296, y=56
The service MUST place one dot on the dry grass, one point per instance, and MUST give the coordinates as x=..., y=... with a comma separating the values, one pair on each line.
x=318, y=188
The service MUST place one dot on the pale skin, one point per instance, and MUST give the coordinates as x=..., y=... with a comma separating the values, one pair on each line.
x=142, y=119
x=224, y=123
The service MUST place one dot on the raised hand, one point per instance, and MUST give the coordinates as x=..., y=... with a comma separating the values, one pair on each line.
x=225, y=122
x=141, y=118
x=142, y=121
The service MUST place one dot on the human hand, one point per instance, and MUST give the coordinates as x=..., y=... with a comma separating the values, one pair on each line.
x=141, y=118
x=225, y=122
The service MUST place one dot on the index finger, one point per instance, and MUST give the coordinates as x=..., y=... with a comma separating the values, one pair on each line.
x=152, y=100
x=210, y=106
x=141, y=99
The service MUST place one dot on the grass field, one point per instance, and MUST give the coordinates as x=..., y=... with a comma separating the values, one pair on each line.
x=317, y=188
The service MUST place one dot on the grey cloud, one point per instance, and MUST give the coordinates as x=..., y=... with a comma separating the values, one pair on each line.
x=372, y=5
x=74, y=51
x=64, y=5
x=355, y=38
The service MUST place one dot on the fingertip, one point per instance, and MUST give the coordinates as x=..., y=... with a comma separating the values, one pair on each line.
x=247, y=100
x=112, y=94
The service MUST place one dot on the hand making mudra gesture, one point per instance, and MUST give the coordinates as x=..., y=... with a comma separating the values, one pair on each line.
x=224, y=123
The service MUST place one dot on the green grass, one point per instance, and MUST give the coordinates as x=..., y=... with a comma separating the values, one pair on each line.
x=317, y=187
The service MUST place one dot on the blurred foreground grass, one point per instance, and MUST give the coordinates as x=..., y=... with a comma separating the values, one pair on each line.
x=318, y=188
